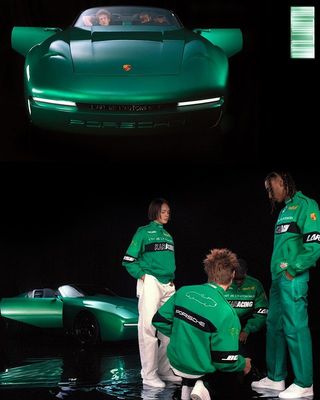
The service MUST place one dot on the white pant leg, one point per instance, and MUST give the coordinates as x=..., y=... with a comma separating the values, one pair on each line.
x=149, y=301
x=163, y=362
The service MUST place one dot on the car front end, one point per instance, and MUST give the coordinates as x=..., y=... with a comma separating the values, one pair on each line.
x=125, y=82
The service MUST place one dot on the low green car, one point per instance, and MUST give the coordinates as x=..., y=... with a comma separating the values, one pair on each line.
x=143, y=71
x=93, y=314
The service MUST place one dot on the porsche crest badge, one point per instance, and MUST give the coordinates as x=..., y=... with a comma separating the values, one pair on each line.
x=127, y=67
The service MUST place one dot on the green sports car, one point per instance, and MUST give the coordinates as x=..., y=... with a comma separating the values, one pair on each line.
x=121, y=69
x=93, y=314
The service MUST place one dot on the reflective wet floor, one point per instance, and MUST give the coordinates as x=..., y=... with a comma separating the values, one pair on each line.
x=48, y=367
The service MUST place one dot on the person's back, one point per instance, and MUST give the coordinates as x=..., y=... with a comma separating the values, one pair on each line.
x=206, y=325
x=203, y=328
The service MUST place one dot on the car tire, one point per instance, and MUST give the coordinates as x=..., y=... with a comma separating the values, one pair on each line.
x=86, y=329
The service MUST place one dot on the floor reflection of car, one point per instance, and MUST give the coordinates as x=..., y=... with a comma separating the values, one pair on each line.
x=70, y=372
x=93, y=314
x=73, y=369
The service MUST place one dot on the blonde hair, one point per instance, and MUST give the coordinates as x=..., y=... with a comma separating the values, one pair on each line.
x=220, y=265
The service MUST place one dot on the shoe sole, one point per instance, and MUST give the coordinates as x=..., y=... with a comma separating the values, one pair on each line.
x=195, y=396
x=268, y=388
x=302, y=396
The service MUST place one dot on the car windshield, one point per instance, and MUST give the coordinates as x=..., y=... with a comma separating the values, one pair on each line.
x=84, y=290
x=128, y=18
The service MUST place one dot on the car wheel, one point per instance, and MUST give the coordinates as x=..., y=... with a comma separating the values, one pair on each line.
x=86, y=329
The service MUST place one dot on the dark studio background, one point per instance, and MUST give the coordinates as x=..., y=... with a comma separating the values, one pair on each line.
x=68, y=212
x=242, y=124
x=271, y=106
x=65, y=215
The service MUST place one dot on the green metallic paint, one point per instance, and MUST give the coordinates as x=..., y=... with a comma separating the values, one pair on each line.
x=100, y=78
x=85, y=66
x=23, y=38
x=229, y=40
x=110, y=312
x=42, y=313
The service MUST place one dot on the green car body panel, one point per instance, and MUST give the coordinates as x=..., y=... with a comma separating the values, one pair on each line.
x=42, y=313
x=110, y=79
x=116, y=316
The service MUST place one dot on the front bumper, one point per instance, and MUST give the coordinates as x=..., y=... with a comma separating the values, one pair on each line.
x=77, y=120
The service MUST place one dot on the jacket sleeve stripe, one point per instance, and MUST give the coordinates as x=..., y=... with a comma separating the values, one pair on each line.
x=291, y=227
x=224, y=356
x=261, y=311
x=159, y=318
x=312, y=237
x=129, y=259
x=194, y=319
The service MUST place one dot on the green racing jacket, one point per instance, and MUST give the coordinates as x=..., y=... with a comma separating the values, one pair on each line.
x=250, y=302
x=151, y=251
x=297, y=237
x=203, y=329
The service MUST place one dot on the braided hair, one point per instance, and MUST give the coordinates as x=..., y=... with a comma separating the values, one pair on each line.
x=288, y=182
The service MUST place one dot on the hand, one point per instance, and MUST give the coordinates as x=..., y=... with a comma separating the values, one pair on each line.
x=87, y=20
x=289, y=276
x=243, y=337
x=142, y=278
x=247, y=367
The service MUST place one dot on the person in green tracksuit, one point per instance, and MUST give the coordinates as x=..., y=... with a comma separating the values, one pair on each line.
x=150, y=259
x=203, y=327
x=247, y=296
x=296, y=250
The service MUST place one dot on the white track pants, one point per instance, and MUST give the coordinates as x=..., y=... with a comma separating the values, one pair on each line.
x=152, y=294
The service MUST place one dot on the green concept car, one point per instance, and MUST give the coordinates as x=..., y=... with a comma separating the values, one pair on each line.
x=93, y=314
x=120, y=69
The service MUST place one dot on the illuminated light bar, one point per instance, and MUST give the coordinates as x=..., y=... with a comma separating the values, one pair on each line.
x=28, y=72
x=135, y=324
x=196, y=102
x=302, y=32
x=29, y=107
x=58, y=102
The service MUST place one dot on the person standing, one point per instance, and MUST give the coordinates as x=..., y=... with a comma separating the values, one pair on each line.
x=150, y=258
x=296, y=250
x=203, y=328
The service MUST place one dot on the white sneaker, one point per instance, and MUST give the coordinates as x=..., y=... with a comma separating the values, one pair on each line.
x=155, y=382
x=171, y=377
x=294, y=391
x=200, y=392
x=266, y=383
x=186, y=392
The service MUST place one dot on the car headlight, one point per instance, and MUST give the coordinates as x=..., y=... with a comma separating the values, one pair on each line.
x=65, y=105
x=56, y=102
x=199, y=102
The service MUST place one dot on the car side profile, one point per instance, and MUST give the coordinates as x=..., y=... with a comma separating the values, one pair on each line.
x=140, y=71
x=91, y=313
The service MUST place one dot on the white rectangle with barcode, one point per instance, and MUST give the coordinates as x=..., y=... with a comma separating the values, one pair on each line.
x=302, y=32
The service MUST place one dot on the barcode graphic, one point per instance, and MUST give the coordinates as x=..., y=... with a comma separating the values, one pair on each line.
x=302, y=32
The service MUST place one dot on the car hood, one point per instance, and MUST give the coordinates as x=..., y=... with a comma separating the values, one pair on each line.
x=145, y=53
x=88, y=67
